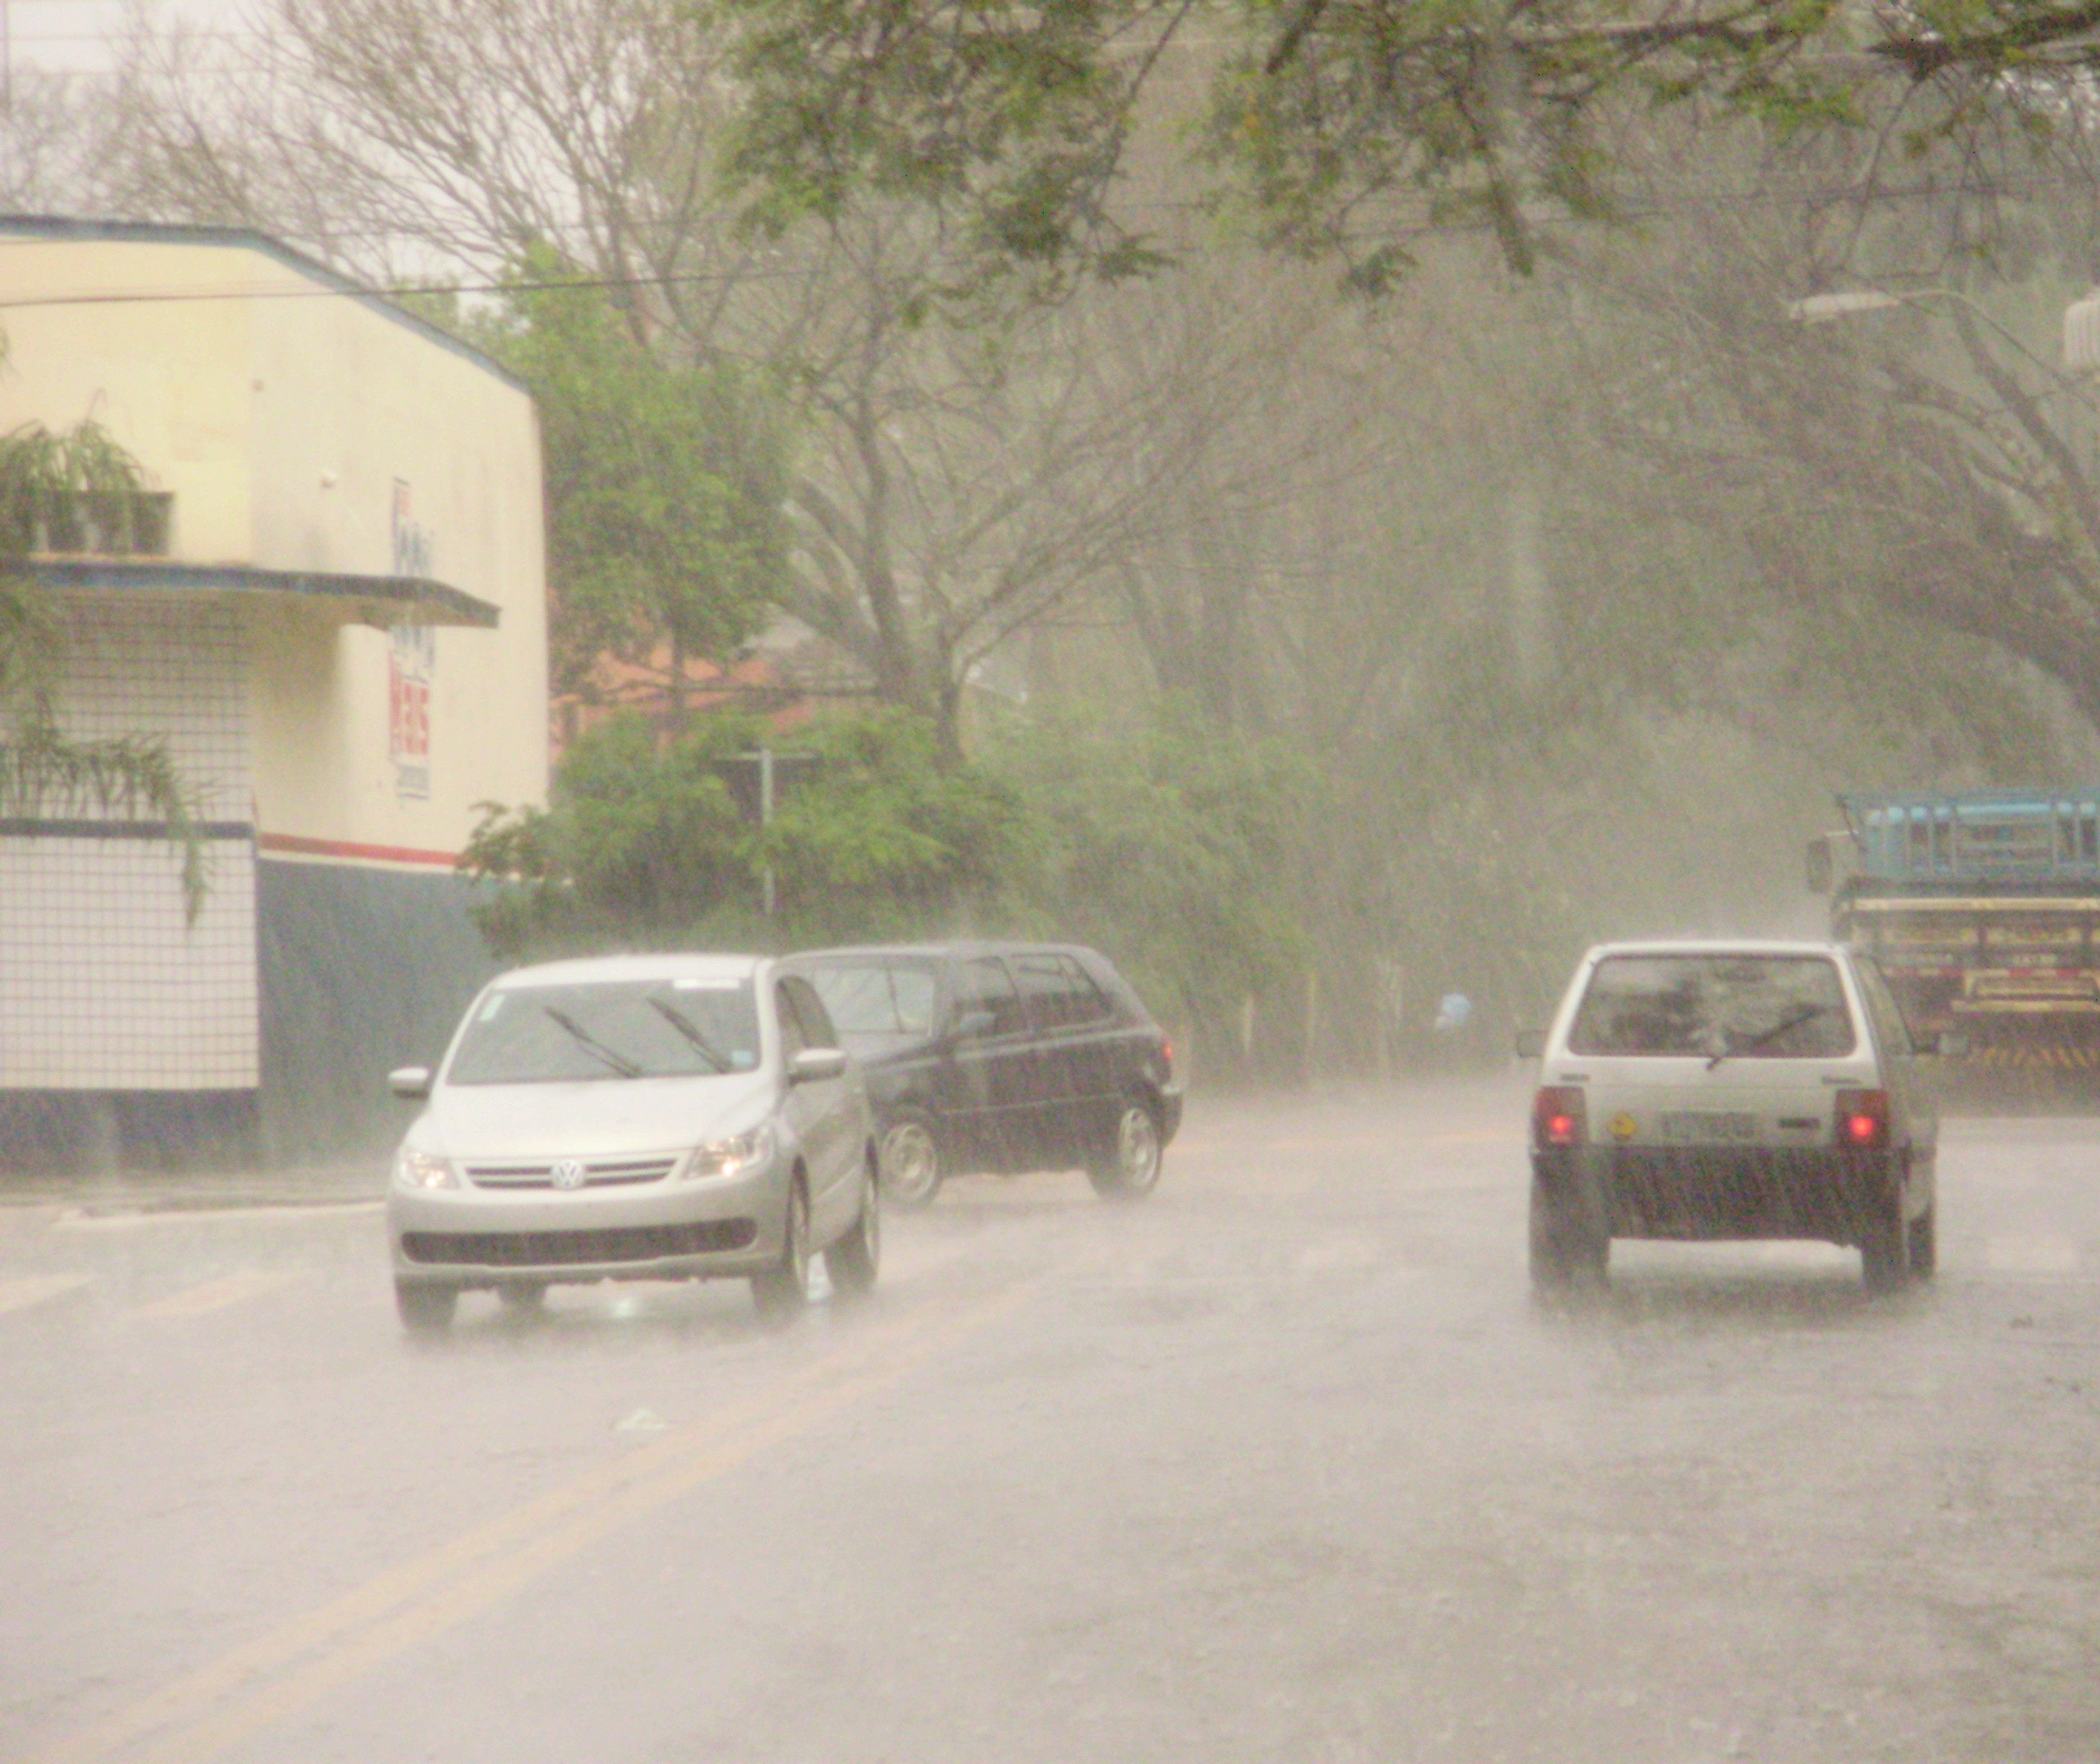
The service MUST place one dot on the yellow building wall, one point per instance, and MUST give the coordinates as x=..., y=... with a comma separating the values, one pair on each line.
x=287, y=421
x=167, y=376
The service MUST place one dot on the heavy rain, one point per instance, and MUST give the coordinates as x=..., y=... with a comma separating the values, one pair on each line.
x=951, y=881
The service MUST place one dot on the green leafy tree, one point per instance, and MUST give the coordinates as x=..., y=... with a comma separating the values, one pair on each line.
x=641, y=845
x=665, y=481
x=885, y=838
x=1180, y=849
x=644, y=845
x=47, y=478
x=1348, y=126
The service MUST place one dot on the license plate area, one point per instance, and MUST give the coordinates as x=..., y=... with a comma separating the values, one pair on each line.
x=1702, y=1127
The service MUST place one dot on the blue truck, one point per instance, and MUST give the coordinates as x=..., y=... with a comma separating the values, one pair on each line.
x=1982, y=909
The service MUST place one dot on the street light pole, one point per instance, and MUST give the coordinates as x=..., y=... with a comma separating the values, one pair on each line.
x=2081, y=323
x=2081, y=333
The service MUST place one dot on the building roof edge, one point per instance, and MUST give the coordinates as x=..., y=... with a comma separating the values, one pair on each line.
x=71, y=228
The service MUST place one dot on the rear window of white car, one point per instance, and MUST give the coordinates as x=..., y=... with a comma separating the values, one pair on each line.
x=1743, y=1006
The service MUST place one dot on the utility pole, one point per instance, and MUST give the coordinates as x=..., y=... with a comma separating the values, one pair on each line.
x=765, y=816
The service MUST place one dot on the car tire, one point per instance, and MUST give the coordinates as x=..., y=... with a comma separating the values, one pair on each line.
x=1884, y=1251
x=1570, y=1251
x=527, y=1298
x=782, y=1291
x=913, y=1163
x=426, y=1310
x=1126, y=1168
x=1925, y=1244
x=854, y=1262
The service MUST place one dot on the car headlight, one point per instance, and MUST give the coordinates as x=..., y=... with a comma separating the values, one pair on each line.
x=733, y=1155
x=423, y=1170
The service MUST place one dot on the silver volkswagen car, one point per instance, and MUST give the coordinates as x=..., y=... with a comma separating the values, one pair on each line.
x=1731, y=1089
x=635, y=1117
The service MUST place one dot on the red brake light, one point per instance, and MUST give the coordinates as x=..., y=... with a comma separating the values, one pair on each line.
x=1863, y=1119
x=1167, y=1053
x=1558, y=1117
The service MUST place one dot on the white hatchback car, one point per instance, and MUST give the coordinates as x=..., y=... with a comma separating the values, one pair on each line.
x=635, y=1117
x=1730, y=1090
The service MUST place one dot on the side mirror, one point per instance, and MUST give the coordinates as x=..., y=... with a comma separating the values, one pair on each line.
x=1530, y=1044
x=411, y=1083
x=814, y=1065
x=969, y=1025
x=1818, y=864
x=1952, y=1045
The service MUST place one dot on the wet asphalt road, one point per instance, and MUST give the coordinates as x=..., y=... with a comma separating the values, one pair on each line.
x=1280, y=1465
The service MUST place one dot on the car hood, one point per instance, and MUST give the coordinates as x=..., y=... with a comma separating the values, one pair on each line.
x=594, y=1117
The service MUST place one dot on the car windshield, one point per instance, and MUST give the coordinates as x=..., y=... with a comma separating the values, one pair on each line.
x=1718, y=1006
x=613, y=1030
x=885, y=997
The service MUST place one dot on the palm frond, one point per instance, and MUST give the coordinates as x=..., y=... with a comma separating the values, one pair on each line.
x=44, y=773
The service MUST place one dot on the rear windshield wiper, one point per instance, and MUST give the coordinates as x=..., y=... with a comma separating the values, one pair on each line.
x=1773, y=1033
x=620, y=1063
x=686, y=1027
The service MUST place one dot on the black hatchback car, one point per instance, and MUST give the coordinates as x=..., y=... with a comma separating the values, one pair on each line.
x=1003, y=1058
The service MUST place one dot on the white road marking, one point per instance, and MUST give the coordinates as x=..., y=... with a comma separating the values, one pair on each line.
x=218, y=1294
x=2045, y=1253
x=77, y=1219
x=18, y=1295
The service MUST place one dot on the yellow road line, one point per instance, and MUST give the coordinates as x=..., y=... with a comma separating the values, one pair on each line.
x=20, y=1294
x=216, y=1295
x=237, y=1696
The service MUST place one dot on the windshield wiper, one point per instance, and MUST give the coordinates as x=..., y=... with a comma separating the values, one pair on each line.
x=620, y=1063
x=1773, y=1033
x=686, y=1027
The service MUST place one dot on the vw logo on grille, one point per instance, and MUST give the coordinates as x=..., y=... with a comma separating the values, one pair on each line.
x=568, y=1174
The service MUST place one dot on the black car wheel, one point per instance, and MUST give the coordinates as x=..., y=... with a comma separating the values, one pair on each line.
x=1925, y=1244
x=783, y=1289
x=1884, y=1251
x=1571, y=1250
x=855, y=1260
x=426, y=1310
x=1127, y=1168
x=911, y=1163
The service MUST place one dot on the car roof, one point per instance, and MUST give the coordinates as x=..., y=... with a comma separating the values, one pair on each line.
x=1719, y=946
x=672, y=965
x=960, y=947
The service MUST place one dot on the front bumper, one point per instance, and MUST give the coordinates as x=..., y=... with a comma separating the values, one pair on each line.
x=715, y=1227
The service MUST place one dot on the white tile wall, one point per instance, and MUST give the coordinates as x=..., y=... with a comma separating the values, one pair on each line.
x=164, y=665
x=103, y=985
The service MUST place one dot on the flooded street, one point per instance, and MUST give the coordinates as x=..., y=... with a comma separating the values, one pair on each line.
x=1281, y=1464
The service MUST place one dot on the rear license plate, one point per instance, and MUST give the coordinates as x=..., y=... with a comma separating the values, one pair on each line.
x=1704, y=1129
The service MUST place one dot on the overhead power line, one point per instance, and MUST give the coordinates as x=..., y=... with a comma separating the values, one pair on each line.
x=1688, y=200
x=353, y=291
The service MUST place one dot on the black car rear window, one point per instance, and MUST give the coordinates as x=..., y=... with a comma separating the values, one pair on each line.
x=1060, y=993
x=1745, y=1007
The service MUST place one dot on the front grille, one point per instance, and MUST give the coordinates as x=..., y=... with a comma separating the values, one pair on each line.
x=570, y=1249
x=598, y=1172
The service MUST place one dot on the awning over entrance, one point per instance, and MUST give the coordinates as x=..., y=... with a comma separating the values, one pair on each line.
x=382, y=600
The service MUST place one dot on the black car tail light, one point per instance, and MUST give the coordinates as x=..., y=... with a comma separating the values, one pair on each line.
x=1863, y=1119
x=1558, y=1117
